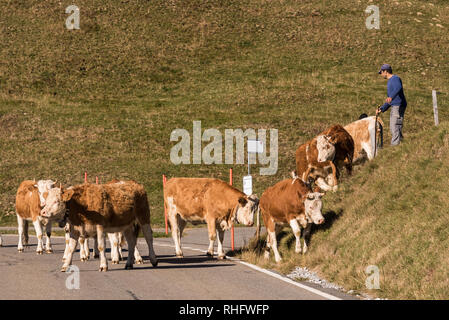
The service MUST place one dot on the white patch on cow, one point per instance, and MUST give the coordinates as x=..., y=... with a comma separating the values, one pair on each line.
x=326, y=150
x=42, y=187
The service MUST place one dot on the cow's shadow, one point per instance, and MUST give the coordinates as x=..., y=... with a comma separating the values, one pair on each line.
x=190, y=262
x=329, y=219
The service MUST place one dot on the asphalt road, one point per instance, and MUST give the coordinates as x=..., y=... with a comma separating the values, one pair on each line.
x=30, y=276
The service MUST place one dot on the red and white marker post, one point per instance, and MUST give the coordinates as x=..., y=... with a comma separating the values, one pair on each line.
x=164, y=180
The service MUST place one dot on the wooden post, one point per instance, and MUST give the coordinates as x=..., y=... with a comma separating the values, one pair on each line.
x=435, y=106
x=164, y=180
x=96, y=180
x=85, y=176
x=232, y=228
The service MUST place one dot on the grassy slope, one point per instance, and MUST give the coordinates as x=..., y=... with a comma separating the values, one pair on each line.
x=393, y=213
x=106, y=97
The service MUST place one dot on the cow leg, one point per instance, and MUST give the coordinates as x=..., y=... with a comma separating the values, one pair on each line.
x=82, y=241
x=148, y=234
x=67, y=240
x=268, y=247
x=38, y=228
x=131, y=239
x=121, y=242
x=96, y=251
x=1, y=241
x=220, y=251
x=101, y=248
x=113, y=240
x=271, y=239
x=48, y=248
x=86, y=248
x=297, y=232
x=73, y=240
x=211, y=228
x=20, y=224
x=306, y=236
x=274, y=246
x=175, y=233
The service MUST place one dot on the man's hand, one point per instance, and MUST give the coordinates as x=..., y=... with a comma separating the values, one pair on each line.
x=388, y=100
x=378, y=111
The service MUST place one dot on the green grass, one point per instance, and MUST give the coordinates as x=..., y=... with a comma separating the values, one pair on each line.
x=105, y=98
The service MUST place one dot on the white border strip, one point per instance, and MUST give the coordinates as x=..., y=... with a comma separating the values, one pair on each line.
x=267, y=272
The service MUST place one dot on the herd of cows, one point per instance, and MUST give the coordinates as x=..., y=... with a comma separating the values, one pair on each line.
x=121, y=209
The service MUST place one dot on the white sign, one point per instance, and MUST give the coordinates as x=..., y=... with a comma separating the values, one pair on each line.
x=255, y=146
x=248, y=185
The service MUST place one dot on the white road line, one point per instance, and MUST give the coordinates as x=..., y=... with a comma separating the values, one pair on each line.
x=267, y=272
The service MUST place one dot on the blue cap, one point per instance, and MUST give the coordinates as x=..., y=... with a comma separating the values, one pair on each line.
x=385, y=66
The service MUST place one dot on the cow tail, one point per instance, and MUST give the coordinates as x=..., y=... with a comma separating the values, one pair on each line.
x=258, y=226
x=136, y=229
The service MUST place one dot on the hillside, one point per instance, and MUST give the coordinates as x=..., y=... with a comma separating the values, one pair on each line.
x=105, y=98
x=393, y=214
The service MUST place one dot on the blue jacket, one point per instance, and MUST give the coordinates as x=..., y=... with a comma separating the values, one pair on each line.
x=396, y=93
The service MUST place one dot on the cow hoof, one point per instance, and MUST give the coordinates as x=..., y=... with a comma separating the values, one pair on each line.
x=140, y=261
x=103, y=269
x=114, y=262
x=49, y=251
x=129, y=266
x=20, y=250
x=179, y=256
x=154, y=264
x=39, y=252
x=63, y=269
x=221, y=257
x=83, y=259
x=210, y=254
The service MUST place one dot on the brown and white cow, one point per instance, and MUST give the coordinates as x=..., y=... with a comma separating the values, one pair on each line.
x=291, y=202
x=362, y=132
x=320, y=158
x=206, y=200
x=30, y=199
x=102, y=208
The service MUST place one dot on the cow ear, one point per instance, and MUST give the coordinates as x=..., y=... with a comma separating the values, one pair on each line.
x=67, y=195
x=243, y=201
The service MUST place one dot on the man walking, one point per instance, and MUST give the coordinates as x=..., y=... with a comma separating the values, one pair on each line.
x=396, y=100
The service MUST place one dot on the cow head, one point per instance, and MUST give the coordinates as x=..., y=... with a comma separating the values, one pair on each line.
x=246, y=208
x=55, y=204
x=43, y=186
x=325, y=147
x=313, y=205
